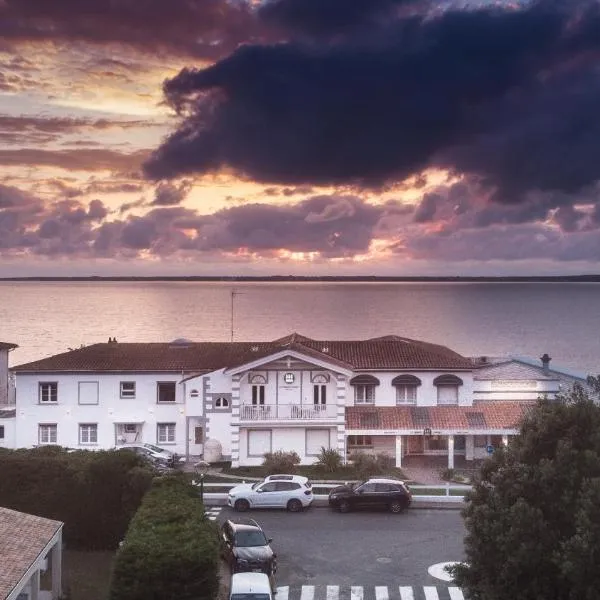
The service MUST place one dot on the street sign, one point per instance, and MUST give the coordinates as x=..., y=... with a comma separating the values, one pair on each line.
x=490, y=449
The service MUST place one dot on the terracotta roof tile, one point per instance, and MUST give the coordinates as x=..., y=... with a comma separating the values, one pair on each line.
x=22, y=539
x=396, y=353
x=484, y=415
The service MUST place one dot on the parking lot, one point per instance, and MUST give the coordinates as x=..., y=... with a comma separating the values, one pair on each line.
x=325, y=555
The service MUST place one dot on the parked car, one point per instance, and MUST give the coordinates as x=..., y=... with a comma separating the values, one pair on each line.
x=250, y=586
x=375, y=493
x=293, y=492
x=245, y=547
x=156, y=454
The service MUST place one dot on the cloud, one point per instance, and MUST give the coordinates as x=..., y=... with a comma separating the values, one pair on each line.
x=505, y=96
x=90, y=159
x=167, y=194
x=201, y=28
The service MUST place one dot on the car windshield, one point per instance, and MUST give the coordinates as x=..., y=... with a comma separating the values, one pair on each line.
x=357, y=485
x=153, y=448
x=247, y=539
x=255, y=485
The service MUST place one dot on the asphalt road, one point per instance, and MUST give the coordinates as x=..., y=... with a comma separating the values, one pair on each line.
x=321, y=547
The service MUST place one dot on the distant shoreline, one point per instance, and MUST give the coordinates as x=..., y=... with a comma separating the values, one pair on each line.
x=325, y=279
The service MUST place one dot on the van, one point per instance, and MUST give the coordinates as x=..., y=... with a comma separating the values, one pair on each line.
x=250, y=586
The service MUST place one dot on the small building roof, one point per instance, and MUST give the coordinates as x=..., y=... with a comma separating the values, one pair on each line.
x=485, y=415
x=24, y=537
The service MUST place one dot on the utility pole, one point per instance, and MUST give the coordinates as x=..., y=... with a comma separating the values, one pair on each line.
x=233, y=295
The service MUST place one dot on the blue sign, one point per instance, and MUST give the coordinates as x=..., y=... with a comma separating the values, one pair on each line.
x=490, y=449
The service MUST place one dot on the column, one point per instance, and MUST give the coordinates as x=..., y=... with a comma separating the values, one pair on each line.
x=451, y=452
x=56, y=557
x=399, y=451
x=34, y=586
x=505, y=440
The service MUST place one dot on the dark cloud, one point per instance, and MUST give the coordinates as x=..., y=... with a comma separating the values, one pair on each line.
x=328, y=17
x=506, y=96
x=168, y=194
x=201, y=28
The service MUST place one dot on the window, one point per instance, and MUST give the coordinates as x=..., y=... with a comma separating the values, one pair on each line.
x=258, y=395
x=447, y=394
x=364, y=394
x=406, y=394
x=88, y=433
x=221, y=402
x=127, y=389
x=480, y=441
x=130, y=428
x=360, y=440
x=194, y=394
x=1, y=432
x=259, y=442
x=315, y=440
x=166, y=391
x=166, y=433
x=198, y=434
x=47, y=434
x=319, y=394
x=437, y=442
x=88, y=392
x=48, y=392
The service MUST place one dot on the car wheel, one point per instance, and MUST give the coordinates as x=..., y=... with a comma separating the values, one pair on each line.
x=397, y=507
x=294, y=505
x=241, y=505
x=344, y=506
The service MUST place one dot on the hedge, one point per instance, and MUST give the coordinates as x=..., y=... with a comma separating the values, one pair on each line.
x=171, y=549
x=94, y=493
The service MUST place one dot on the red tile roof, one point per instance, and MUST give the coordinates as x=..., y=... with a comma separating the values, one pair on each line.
x=22, y=538
x=484, y=415
x=391, y=353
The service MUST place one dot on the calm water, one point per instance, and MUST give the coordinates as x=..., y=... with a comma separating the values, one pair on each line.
x=471, y=318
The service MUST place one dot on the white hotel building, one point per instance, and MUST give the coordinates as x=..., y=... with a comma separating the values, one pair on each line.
x=389, y=394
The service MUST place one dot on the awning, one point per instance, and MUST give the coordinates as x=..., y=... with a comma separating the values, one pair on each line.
x=406, y=380
x=447, y=380
x=364, y=380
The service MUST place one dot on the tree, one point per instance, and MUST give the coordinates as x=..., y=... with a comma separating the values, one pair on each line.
x=533, y=516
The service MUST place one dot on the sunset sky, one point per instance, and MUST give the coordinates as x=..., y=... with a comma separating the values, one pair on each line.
x=335, y=137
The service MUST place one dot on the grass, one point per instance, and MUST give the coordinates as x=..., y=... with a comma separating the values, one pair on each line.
x=86, y=575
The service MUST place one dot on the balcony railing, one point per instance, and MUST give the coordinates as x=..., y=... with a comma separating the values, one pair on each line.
x=287, y=412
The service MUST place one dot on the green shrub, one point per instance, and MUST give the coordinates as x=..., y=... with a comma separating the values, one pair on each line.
x=447, y=474
x=369, y=465
x=171, y=549
x=94, y=493
x=329, y=460
x=280, y=462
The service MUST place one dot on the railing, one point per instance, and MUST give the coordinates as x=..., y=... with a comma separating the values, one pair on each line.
x=288, y=412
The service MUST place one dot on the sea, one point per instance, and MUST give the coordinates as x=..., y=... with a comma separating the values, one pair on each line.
x=472, y=318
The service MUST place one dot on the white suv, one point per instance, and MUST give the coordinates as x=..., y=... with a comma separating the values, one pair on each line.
x=293, y=492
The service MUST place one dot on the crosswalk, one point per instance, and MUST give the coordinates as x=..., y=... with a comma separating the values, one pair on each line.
x=380, y=592
x=213, y=512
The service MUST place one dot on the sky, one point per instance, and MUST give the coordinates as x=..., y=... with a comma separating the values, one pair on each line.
x=300, y=137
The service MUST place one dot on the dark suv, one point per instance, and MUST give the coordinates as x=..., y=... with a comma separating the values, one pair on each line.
x=390, y=494
x=245, y=547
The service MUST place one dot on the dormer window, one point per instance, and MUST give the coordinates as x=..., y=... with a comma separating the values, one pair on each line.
x=447, y=387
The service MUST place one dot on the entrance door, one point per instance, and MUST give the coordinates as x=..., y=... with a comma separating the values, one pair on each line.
x=196, y=438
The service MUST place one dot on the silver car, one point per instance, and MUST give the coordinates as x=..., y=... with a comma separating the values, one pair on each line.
x=292, y=492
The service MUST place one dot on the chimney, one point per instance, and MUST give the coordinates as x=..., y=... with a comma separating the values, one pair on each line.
x=546, y=364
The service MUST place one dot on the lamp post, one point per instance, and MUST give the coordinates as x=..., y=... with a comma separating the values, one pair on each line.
x=201, y=469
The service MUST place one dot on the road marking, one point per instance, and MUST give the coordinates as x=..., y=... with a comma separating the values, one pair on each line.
x=308, y=592
x=213, y=513
x=439, y=570
x=283, y=592
x=430, y=592
x=406, y=593
x=381, y=592
x=455, y=593
x=333, y=592
x=356, y=592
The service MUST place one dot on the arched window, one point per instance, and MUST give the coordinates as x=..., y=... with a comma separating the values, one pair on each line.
x=257, y=379
x=194, y=394
x=406, y=388
x=221, y=402
x=447, y=387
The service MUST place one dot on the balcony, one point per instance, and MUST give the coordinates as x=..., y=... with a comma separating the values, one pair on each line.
x=288, y=412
